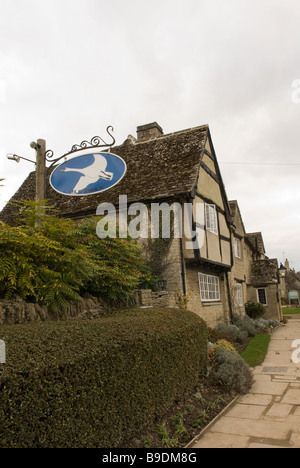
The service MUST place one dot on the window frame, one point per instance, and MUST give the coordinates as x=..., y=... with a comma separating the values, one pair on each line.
x=237, y=247
x=265, y=293
x=239, y=294
x=209, y=286
x=211, y=218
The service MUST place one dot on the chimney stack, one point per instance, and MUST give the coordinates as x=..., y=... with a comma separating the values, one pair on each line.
x=149, y=131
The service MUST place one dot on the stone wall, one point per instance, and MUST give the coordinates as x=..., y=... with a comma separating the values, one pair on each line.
x=148, y=298
x=212, y=313
x=273, y=308
x=18, y=311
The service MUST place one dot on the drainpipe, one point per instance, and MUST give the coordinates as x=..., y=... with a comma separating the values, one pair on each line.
x=229, y=297
x=182, y=253
x=182, y=267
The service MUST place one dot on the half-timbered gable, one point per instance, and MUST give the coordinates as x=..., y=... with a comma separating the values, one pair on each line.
x=208, y=265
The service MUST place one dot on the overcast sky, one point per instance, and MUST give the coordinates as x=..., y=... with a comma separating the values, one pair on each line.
x=69, y=68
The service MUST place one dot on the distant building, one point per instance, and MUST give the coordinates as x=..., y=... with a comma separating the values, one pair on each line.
x=290, y=284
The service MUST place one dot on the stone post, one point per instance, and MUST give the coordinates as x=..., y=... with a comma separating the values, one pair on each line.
x=40, y=193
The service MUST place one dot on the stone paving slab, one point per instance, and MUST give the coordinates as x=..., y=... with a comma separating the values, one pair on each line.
x=279, y=411
x=250, y=427
x=292, y=396
x=269, y=415
x=246, y=411
x=226, y=441
x=264, y=446
x=269, y=388
x=251, y=399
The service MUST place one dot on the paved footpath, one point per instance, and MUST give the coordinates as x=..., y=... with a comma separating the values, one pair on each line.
x=268, y=416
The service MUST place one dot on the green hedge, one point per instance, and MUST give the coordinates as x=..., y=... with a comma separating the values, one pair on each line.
x=96, y=383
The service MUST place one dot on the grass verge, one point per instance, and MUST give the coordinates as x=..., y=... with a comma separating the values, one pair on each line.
x=288, y=311
x=256, y=350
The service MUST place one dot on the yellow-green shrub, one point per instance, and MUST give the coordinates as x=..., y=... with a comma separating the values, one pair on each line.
x=224, y=344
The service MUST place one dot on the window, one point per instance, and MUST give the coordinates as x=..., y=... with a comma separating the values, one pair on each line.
x=262, y=296
x=209, y=287
x=211, y=218
x=237, y=247
x=239, y=294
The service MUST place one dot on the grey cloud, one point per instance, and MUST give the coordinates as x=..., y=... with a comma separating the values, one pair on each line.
x=72, y=68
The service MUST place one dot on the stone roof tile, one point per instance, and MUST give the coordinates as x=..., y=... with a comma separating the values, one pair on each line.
x=164, y=167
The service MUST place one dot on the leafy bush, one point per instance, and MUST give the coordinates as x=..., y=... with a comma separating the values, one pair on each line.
x=266, y=324
x=214, y=335
x=231, y=372
x=224, y=344
x=51, y=260
x=118, y=266
x=254, y=309
x=233, y=330
x=220, y=344
x=37, y=268
x=96, y=383
x=246, y=324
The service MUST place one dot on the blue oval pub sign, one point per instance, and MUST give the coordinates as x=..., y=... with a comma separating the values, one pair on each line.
x=88, y=174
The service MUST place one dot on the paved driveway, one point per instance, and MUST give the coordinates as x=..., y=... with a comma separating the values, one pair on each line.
x=268, y=416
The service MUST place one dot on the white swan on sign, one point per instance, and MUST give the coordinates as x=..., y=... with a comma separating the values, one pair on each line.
x=92, y=173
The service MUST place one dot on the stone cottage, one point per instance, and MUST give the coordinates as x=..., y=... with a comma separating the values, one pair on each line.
x=179, y=170
x=253, y=276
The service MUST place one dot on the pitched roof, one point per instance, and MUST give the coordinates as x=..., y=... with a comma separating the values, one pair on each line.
x=256, y=241
x=293, y=281
x=161, y=168
x=236, y=214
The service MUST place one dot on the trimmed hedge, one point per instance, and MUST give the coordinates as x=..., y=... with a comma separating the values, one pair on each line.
x=96, y=383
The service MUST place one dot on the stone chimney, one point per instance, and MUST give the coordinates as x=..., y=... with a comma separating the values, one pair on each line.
x=149, y=131
x=287, y=266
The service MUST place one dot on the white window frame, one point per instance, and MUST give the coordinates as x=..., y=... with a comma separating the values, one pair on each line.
x=211, y=218
x=239, y=294
x=258, y=298
x=237, y=247
x=209, y=287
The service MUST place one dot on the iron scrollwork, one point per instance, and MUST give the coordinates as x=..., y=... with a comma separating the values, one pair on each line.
x=96, y=142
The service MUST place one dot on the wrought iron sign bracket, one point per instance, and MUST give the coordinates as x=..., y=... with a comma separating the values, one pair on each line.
x=96, y=142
